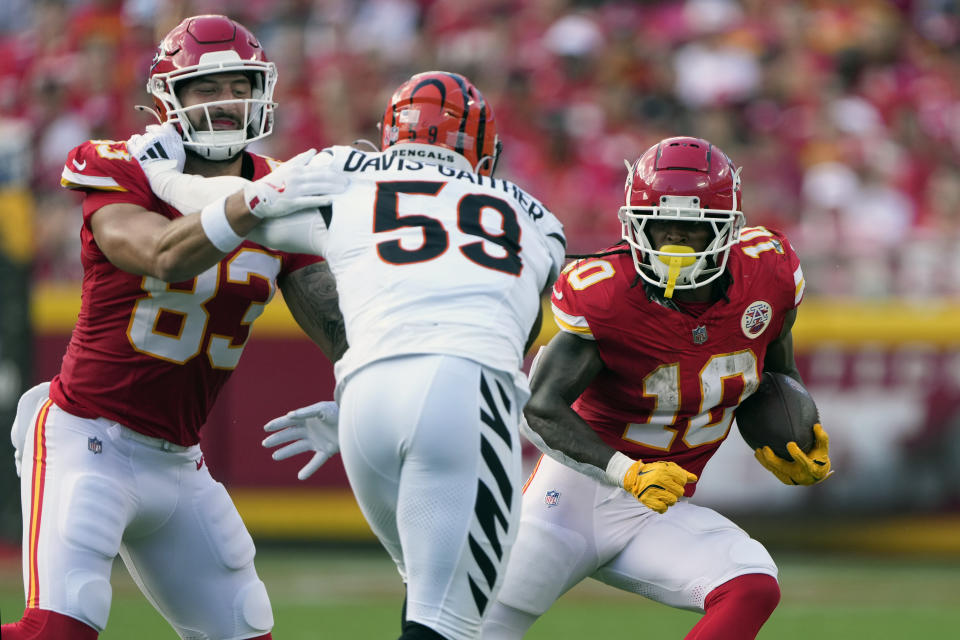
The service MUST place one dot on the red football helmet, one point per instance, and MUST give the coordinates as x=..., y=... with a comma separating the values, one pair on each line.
x=204, y=45
x=688, y=180
x=443, y=109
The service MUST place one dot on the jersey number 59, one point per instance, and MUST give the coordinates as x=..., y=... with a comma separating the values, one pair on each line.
x=436, y=240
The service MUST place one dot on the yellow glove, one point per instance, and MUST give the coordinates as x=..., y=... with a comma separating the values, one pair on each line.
x=658, y=485
x=805, y=468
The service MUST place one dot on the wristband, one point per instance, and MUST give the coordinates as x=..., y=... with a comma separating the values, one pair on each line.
x=617, y=468
x=213, y=219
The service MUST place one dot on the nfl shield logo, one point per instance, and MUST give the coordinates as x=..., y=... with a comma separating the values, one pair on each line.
x=95, y=445
x=700, y=335
x=552, y=498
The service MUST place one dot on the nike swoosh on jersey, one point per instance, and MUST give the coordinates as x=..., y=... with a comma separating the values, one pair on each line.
x=80, y=165
x=558, y=293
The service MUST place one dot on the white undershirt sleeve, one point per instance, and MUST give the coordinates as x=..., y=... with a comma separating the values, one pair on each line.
x=189, y=193
x=302, y=232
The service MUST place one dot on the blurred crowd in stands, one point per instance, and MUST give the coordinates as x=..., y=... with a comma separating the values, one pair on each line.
x=845, y=114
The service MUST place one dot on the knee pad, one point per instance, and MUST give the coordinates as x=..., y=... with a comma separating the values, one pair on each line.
x=750, y=554
x=225, y=529
x=506, y=622
x=92, y=523
x=88, y=597
x=253, y=605
x=95, y=515
x=531, y=585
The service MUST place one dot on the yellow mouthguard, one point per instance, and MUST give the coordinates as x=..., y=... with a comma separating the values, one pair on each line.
x=675, y=263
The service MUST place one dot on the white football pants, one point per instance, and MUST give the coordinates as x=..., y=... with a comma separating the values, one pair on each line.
x=92, y=489
x=573, y=527
x=431, y=448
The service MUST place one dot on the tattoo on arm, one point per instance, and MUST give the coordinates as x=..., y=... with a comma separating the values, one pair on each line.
x=311, y=295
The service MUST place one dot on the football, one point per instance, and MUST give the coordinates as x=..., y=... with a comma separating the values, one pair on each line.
x=780, y=411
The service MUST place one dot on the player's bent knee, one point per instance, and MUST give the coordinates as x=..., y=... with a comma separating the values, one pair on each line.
x=227, y=534
x=506, y=623
x=254, y=607
x=95, y=516
x=760, y=591
x=92, y=523
x=88, y=597
x=747, y=552
x=533, y=588
x=753, y=595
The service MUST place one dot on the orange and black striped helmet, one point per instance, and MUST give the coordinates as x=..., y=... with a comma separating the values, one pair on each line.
x=443, y=109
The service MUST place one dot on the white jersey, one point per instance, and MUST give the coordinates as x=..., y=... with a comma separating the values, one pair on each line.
x=434, y=258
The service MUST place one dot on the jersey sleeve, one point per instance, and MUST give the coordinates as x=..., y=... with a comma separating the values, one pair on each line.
x=105, y=166
x=106, y=173
x=772, y=247
x=296, y=261
x=567, y=308
x=586, y=296
x=794, y=269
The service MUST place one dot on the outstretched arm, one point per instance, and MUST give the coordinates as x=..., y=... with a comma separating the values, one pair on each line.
x=301, y=182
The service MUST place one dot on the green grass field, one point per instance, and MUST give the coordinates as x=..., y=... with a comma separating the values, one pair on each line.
x=337, y=593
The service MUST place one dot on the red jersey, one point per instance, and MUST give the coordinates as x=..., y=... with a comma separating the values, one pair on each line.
x=149, y=354
x=672, y=380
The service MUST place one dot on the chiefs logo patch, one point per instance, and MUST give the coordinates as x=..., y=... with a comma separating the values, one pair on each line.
x=756, y=318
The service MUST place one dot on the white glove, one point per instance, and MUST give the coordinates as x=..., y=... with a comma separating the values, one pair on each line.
x=296, y=184
x=312, y=428
x=158, y=150
x=26, y=411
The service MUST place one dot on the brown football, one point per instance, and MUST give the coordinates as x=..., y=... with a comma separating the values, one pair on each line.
x=780, y=411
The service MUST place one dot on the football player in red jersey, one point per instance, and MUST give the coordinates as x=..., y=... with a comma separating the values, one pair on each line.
x=110, y=456
x=661, y=338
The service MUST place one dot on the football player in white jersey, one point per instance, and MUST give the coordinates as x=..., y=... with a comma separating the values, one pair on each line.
x=440, y=269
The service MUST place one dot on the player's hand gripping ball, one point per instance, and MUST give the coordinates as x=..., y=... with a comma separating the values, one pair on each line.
x=803, y=468
x=781, y=423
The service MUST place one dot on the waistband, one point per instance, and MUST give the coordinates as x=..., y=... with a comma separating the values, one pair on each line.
x=150, y=441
